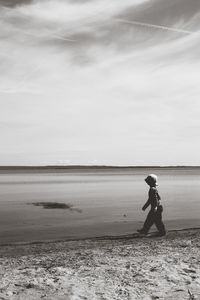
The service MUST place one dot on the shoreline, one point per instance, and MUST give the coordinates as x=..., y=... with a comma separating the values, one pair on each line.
x=42, y=234
x=131, y=236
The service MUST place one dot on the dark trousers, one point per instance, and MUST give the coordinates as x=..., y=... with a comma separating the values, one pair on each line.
x=154, y=218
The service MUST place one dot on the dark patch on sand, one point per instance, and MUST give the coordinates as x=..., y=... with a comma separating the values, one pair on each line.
x=56, y=205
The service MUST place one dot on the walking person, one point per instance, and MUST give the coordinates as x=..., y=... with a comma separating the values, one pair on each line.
x=155, y=214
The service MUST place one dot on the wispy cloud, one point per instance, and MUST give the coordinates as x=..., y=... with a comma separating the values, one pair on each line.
x=101, y=80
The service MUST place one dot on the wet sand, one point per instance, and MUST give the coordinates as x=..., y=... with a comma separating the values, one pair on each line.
x=101, y=230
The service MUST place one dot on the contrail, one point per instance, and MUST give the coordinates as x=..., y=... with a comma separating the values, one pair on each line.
x=156, y=26
x=47, y=35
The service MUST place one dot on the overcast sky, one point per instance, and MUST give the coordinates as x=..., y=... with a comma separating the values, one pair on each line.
x=100, y=82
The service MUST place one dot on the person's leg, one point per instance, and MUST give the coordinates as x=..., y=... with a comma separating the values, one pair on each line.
x=158, y=221
x=148, y=222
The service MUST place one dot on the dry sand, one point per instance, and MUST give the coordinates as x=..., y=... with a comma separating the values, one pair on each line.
x=112, y=268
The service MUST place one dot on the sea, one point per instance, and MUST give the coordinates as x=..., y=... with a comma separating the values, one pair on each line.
x=99, y=202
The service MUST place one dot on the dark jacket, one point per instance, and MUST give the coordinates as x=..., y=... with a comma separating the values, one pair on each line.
x=154, y=199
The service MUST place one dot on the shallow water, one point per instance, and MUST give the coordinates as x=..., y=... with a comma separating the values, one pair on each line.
x=105, y=202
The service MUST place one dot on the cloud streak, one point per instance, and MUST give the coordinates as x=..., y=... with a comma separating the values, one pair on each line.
x=155, y=26
x=91, y=84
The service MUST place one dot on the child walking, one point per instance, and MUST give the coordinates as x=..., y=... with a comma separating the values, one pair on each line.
x=155, y=214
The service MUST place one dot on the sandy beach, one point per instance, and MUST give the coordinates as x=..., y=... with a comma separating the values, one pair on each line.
x=126, y=267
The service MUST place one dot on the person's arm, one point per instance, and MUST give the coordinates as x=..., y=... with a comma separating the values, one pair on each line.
x=146, y=204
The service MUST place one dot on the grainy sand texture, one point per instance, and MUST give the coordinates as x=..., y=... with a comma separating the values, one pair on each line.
x=128, y=267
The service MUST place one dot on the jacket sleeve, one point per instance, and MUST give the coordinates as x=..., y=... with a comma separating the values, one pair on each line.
x=146, y=204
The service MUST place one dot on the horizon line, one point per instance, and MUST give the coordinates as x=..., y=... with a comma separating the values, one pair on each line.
x=95, y=166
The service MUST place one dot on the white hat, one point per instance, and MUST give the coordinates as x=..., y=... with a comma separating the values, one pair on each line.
x=152, y=177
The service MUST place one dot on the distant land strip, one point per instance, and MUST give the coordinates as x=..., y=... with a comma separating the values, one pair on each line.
x=88, y=167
